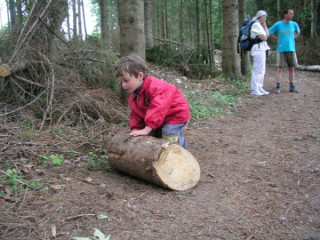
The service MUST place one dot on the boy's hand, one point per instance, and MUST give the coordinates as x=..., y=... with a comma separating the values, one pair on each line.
x=141, y=132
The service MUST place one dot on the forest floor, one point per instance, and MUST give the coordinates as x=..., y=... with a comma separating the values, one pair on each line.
x=260, y=179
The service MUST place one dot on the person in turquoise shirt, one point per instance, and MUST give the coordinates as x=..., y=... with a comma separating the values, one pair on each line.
x=285, y=33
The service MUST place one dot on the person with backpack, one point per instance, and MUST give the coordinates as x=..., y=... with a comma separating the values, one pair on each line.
x=259, y=30
x=285, y=32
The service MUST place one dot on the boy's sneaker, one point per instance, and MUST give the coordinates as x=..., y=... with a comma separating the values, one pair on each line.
x=293, y=89
x=277, y=90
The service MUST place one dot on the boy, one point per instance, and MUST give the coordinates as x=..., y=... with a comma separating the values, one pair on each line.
x=155, y=105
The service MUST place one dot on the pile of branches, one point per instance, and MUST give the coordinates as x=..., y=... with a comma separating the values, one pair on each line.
x=66, y=83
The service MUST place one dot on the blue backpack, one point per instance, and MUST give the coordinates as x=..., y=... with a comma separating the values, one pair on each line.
x=244, y=40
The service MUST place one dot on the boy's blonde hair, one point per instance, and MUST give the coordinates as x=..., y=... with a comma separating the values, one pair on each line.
x=132, y=64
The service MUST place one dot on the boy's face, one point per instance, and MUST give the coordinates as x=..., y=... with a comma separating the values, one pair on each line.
x=129, y=82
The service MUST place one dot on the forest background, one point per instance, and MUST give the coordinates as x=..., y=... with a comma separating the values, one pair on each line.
x=46, y=41
x=57, y=83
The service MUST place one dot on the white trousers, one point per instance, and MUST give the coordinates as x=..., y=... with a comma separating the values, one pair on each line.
x=259, y=69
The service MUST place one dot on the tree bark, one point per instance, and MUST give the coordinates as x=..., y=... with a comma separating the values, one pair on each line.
x=230, y=60
x=104, y=22
x=211, y=32
x=245, y=56
x=198, y=24
x=181, y=19
x=148, y=21
x=74, y=12
x=79, y=20
x=154, y=160
x=132, y=35
x=131, y=20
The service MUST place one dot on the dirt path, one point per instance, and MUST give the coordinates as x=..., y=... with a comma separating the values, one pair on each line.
x=265, y=160
x=260, y=180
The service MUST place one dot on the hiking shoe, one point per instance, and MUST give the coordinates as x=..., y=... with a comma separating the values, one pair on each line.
x=293, y=89
x=264, y=92
x=277, y=90
x=256, y=93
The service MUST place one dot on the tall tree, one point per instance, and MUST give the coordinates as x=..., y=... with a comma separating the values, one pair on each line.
x=279, y=14
x=198, y=24
x=314, y=17
x=79, y=19
x=132, y=36
x=12, y=10
x=230, y=61
x=84, y=19
x=190, y=24
x=148, y=22
x=211, y=37
x=245, y=56
x=19, y=12
x=74, y=12
x=104, y=22
x=181, y=19
x=131, y=20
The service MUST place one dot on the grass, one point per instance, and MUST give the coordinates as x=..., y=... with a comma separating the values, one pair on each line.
x=205, y=103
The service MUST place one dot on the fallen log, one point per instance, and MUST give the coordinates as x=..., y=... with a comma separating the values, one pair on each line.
x=313, y=68
x=154, y=160
x=8, y=70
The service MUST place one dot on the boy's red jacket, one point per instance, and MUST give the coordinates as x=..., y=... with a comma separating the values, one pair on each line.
x=157, y=103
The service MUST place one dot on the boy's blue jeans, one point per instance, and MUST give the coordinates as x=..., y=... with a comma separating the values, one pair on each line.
x=173, y=132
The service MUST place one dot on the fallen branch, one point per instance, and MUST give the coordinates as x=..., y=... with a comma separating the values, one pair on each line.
x=314, y=68
x=28, y=81
x=79, y=216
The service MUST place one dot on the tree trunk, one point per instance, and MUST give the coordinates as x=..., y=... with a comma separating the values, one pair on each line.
x=12, y=10
x=163, y=24
x=79, y=20
x=166, y=19
x=84, y=19
x=154, y=160
x=279, y=13
x=198, y=24
x=148, y=21
x=74, y=12
x=132, y=36
x=131, y=20
x=104, y=22
x=211, y=32
x=19, y=12
x=181, y=19
x=230, y=60
x=245, y=56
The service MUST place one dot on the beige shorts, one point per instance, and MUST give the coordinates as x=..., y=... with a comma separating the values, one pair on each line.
x=287, y=59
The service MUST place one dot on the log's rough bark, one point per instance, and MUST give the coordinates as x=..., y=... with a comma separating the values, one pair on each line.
x=154, y=160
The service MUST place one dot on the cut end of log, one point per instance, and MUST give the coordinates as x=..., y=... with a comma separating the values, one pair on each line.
x=4, y=70
x=177, y=168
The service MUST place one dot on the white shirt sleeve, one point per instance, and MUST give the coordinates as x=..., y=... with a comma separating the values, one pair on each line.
x=257, y=30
